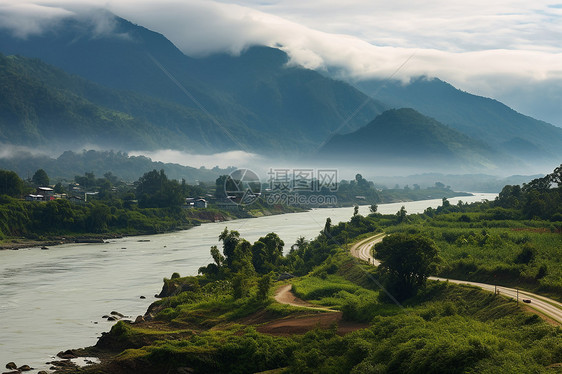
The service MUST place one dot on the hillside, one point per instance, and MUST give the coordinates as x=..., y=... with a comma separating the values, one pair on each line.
x=254, y=102
x=481, y=118
x=128, y=168
x=406, y=137
x=44, y=106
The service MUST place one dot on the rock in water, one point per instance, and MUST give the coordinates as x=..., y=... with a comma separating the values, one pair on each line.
x=68, y=354
x=25, y=368
x=11, y=366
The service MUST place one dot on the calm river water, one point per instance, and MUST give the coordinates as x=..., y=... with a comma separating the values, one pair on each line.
x=52, y=300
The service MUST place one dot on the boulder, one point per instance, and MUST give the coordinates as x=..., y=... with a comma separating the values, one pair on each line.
x=11, y=366
x=62, y=363
x=68, y=354
x=25, y=368
x=143, y=297
x=114, y=313
x=139, y=319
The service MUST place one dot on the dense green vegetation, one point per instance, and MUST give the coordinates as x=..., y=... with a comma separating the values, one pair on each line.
x=219, y=321
x=152, y=205
x=226, y=320
x=446, y=329
x=514, y=240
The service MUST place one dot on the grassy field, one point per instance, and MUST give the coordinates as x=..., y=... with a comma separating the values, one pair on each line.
x=474, y=246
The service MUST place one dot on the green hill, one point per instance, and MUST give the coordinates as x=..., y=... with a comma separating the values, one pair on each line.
x=406, y=137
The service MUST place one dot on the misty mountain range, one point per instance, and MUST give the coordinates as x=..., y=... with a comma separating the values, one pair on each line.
x=131, y=89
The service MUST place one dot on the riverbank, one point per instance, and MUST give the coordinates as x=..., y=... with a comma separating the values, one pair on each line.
x=195, y=218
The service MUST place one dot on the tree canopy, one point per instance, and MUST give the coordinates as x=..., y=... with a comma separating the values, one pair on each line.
x=406, y=261
x=10, y=184
x=155, y=190
x=40, y=178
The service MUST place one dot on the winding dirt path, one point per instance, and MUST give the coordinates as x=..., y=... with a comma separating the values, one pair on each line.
x=301, y=324
x=284, y=295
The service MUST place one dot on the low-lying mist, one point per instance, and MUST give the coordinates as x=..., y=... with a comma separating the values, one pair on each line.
x=378, y=171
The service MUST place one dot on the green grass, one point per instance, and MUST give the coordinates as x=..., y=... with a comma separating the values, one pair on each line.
x=447, y=328
x=486, y=250
x=237, y=349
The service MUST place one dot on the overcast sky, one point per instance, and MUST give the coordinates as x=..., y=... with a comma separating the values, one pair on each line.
x=508, y=50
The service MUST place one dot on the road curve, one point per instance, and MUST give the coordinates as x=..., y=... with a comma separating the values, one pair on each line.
x=544, y=305
x=284, y=295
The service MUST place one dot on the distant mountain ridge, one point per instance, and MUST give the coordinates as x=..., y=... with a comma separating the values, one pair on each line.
x=481, y=118
x=120, y=164
x=406, y=137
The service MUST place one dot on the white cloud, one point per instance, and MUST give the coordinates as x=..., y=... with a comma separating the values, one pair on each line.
x=488, y=48
x=27, y=18
x=222, y=160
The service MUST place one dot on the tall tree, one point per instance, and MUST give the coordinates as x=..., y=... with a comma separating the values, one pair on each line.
x=229, y=241
x=40, y=178
x=155, y=190
x=401, y=214
x=10, y=184
x=406, y=261
x=267, y=253
x=556, y=176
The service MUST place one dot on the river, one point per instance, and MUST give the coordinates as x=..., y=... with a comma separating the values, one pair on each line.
x=52, y=300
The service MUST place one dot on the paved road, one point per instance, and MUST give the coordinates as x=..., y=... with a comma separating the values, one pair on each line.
x=546, y=306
